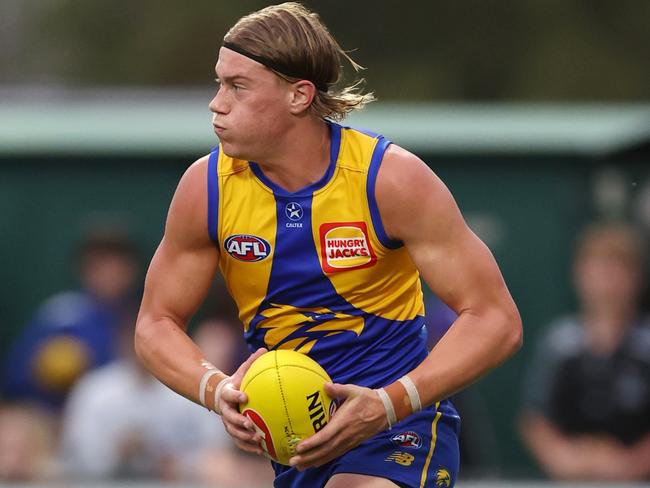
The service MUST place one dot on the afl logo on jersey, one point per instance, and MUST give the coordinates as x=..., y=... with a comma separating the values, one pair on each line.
x=345, y=246
x=245, y=247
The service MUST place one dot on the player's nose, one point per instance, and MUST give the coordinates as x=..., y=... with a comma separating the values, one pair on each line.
x=217, y=105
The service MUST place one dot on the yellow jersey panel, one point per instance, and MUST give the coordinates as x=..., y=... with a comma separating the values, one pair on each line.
x=246, y=251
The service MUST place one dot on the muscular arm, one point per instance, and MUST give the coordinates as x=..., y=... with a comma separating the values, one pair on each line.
x=177, y=282
x=417, y=208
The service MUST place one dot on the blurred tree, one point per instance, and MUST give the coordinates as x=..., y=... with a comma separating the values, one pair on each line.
x=550, y=50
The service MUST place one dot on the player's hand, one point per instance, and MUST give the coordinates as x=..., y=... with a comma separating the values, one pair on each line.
x=361, y=416
x=240, y=428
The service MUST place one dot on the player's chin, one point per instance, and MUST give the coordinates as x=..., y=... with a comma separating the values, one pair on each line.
x=229, y=148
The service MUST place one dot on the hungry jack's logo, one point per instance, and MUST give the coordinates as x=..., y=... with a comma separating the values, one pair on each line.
x=345, y=246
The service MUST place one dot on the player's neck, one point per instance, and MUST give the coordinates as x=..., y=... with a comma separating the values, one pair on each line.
x=301, y=158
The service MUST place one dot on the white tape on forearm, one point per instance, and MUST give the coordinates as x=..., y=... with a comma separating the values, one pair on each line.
x=204, y=383
x=388, y=405
x=412, y=391
x=217, y=393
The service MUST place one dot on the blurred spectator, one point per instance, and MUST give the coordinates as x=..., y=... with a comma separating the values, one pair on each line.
x=74, y=331
x=26, y=444
x=587, y=402
x=121, y=422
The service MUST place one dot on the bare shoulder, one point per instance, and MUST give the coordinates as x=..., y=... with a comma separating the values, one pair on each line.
x=187, y=220
x=408, y=192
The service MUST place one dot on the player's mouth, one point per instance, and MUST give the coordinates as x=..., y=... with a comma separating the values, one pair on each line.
x=218, y=129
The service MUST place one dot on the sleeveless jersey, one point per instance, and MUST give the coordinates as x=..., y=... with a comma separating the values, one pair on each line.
x=314, y=270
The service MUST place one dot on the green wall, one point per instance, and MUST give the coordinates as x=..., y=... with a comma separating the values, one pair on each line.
x=45, y=205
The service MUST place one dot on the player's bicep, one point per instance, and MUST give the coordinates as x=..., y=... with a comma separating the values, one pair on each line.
x=418, y=209
x=177, y=282
x=460, y=270
x=184, y=265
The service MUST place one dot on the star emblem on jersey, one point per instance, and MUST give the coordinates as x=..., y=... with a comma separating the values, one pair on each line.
x=293, y=211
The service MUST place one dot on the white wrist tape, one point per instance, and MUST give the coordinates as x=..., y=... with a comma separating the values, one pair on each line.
x=388, y=405
x=412, y=391
x=204, y=383
x=217, y=394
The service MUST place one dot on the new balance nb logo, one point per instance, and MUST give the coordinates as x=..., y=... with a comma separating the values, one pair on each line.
x=401, y=458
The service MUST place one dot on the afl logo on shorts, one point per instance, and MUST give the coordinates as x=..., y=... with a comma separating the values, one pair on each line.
x=246, y=247
x=345, y=246
x=408, y=439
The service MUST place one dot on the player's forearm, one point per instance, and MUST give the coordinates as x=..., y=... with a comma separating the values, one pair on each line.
x=473, y=346
x=172, y=357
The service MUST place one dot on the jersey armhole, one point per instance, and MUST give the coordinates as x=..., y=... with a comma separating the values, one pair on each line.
x=375, y=162
x=213, y=196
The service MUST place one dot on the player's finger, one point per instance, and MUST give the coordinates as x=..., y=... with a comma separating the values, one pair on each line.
x=232, y=416
x=230, y=394
x=320, y=455
x=336, y=390
x=242, y=435
x=240, y=422
x=324, y=453
x=325, y=436
x=241, y=430
x=239, y=374
x=249, y=447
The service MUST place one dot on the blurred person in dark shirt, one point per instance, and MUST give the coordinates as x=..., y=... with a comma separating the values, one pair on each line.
x=75, y=331
x=587, y=401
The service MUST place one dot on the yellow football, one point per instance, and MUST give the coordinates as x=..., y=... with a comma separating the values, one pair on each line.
x=286, y=401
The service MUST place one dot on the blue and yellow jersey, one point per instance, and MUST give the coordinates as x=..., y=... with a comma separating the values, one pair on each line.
x=314, y=270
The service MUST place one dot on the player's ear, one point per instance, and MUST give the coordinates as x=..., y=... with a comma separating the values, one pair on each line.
x=302, y=94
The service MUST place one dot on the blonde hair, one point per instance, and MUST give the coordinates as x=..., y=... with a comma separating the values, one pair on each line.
x=290, y=35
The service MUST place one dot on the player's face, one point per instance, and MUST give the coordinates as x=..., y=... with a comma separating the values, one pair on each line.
x=250, y=109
